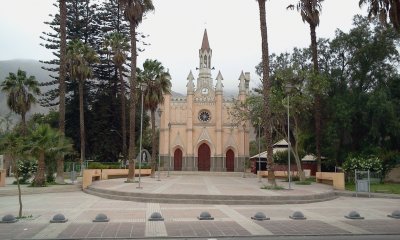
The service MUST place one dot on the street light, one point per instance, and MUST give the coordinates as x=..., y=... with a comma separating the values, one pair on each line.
x=169, y=148
x=288, y=88
x=259, y=159
x=159, y=147
x=244, y=150
x=142, y=88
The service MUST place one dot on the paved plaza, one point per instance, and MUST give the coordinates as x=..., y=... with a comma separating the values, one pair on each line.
x=129, y=219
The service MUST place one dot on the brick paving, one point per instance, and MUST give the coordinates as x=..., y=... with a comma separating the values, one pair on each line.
x=130, y=219
x=377, y=226
x=103, y=230
x=301, y=227
x=205, y=229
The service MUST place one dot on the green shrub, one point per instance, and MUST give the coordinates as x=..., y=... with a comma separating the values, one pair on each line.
x=303, y=182
x=371, y=163
x=268, y=187
x=390, y=160
x=26, y=168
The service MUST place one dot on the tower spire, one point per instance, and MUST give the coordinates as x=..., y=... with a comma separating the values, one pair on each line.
x=205, y=45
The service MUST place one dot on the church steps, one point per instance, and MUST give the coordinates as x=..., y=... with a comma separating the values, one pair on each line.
x=209, y=199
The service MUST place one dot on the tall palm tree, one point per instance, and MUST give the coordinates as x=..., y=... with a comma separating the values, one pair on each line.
x=119, y=46
x=266, y=91
x=61, y=87
x=384, y=9
x=134, y=11
x=22, y=92
x=309, y=11
x=44, y=141
x=158, y=83
x=79, y=58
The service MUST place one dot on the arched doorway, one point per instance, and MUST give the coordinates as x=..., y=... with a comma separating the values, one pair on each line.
x=230, y=161
x=204, y=156
x=178, y=160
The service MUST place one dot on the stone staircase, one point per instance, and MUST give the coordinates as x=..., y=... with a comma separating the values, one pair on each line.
x=209, y=199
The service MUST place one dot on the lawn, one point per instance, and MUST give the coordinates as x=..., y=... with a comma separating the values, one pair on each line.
x=378, y=187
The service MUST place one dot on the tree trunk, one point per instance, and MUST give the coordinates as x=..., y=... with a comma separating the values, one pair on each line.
x=61, y=109
x=153, y=142
x=317, y=103
x=16, y=175
x=23, y=120
x=295, y=151
x=81, y=124
x=266, y=91
x=39, y=178
x=132, y=105
x=123, y=114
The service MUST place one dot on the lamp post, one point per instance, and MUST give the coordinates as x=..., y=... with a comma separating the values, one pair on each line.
x=244, y=150
x=169, y=148
x=259, y=159
x=142, y=88
x=159, y=147
x=288, y=88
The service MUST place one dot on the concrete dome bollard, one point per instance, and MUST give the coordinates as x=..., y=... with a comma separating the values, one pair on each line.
x=59, y=218
x=354, y=215
x=205, y=216
x=297, y=216
x=156, y=216
x=101, y=218
x=9, y=218
x=395, y=214
x=260, y=216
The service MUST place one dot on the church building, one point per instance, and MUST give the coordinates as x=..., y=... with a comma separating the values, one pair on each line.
x=196, y=131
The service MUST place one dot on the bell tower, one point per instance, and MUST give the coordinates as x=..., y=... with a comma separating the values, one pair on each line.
x=205, y=54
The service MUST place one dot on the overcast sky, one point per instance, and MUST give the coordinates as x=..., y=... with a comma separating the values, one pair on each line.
x=176, y=29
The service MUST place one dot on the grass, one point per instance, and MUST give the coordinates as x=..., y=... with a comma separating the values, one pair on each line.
x=25, y=217
x=306, y=182
x=268, y=187
x=378, y=187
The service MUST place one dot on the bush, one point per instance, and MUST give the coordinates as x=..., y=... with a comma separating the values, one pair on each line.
x=371, y=163
x=26, y=168
x=390, y=160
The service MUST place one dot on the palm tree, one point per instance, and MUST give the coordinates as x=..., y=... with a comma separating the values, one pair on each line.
x=134, y=11
x=119, y=46
x=384, y=9
x=158, y=83
x=12, y=144
x=266, y=91
x=22, y=92
x=44, y=141
x=79, y=57
x=310, y=10
x=62, y=76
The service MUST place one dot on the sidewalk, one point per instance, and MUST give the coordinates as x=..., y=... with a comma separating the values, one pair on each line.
x=130, y=219
x=11, y=189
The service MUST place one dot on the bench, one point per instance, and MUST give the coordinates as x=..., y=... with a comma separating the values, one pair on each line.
x=2, y=178
x=90, y=175
x=120, y=173
x=280, y=174
x=331, y=178
x=284, y=174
